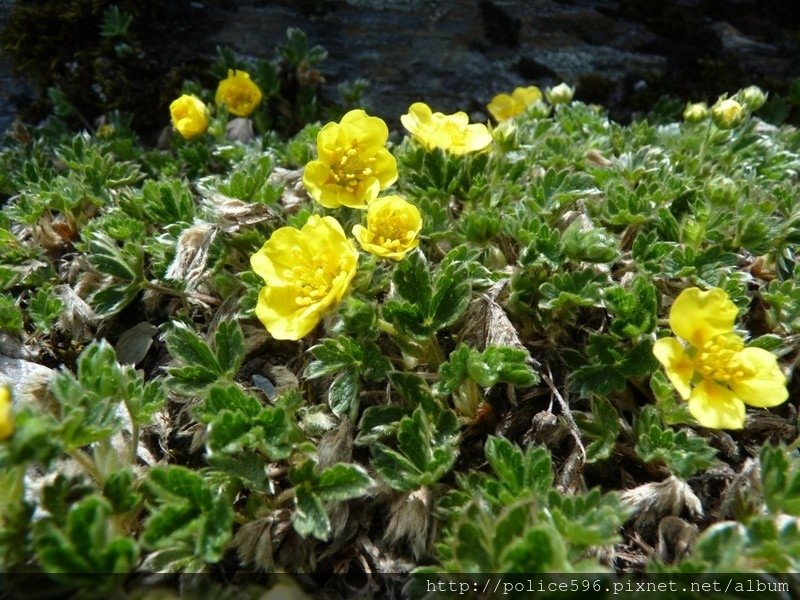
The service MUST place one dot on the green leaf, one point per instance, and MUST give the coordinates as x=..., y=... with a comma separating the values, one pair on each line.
x=506, y=461
x=412, y=281
x=539, y=551
x=310, y=517
x=424, y=452
x=342, y=482
x=10, y=315
x=378, y=422
x=451, y=296
x=590, y=245
x=186, y=517
x=44, y=309
x=602, y=428
x=343, y=393
x=684, y=455
x=395, y=469
x=188, y=347
x=592, y=519
x=334, y=355
x=84, y=548
x=780, y=480
x=501, y=364
x=635, y=311
x=229, y=347
x=120, y=492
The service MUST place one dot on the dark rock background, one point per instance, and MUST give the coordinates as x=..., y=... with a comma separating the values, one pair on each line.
x=458, y=53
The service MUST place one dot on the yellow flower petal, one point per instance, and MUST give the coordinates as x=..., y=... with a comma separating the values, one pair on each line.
x=716, y=406
x=364, y=130
x=306, y=272
x=393, y=225
x=452, y=133
x=189, y=116
x=239, y=93
x=697, y=316
x=352, y=165
x=503, y=107
x=765, y=384
x=527, y=95
x=677, y=364
x=6, y=415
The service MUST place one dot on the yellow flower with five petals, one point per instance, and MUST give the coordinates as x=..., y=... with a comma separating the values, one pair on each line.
x=189, y=116
x=392, y=230
x=353, y=164
x=712, y=369
x=452, y=133
x=239, y=93
x=505, y=106
x=307, y=271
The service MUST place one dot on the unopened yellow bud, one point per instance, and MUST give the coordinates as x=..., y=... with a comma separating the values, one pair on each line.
x=695, y=112
x=561, y=94
x=753, y=97
x=727, y=113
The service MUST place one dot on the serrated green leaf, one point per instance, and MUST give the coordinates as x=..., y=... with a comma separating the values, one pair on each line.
x=342, y=482
x=412, y=281
x=188, y=347
x=229, y=346
x=780, y=480
x=378, y=422
x=395, y=469
x=451, y=296
x=343, y=393
x=602, y=428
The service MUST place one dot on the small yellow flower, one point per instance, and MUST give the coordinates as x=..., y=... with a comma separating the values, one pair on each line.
x=713, y=370
x=6, y=416
x=452, y=133
x=189, y=116
x=353, y=164
x=695, y=112
x=561, y=94
x=727, y=113
x=239, y=93
x=392, y=228
x=504, y=106
x=306, y=271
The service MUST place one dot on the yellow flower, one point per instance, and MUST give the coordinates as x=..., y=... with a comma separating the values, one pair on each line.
x=239, y=93
x=189, y=116
x=452, y=133
x=6, y=416
x=306, y=271
x=504, y=106
x=353, y=164
x=713, y=370
x=392, y=228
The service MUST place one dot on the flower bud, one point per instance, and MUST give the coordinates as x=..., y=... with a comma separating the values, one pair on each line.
x=561, y=94
x=695, y=112
x=727, y=113
x=753, y=97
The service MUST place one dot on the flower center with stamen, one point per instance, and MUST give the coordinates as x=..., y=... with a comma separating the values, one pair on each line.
x=719, y=359
x=351, y=170
x=392, y=230
x=312, y=282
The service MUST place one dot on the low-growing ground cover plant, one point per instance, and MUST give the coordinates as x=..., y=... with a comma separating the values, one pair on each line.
x=549, y=344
